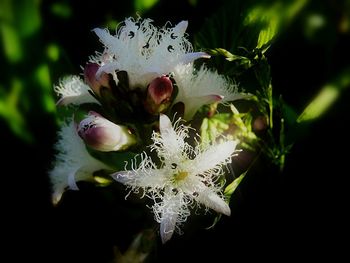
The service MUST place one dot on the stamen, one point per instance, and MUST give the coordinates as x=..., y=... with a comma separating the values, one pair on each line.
x=180, y=176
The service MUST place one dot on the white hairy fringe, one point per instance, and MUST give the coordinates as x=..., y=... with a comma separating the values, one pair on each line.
x=172, y=196
x=197, y=86
x=73, y=162
x=144, y=51
x=72, y=90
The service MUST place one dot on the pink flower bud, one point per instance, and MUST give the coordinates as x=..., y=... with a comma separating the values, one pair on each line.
x=94, y=82
x=104, y=135
x=158, y=95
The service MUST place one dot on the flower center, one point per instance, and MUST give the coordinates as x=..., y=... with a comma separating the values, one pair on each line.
x=180, y=175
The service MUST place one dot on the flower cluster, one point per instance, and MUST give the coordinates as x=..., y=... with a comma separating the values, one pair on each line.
x=144, y=77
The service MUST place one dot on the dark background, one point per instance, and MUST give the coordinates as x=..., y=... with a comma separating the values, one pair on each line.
x=295, y=215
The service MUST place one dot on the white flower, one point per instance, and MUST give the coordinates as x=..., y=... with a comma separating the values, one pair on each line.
x=72, y=90
x=73, y=162
x=187, y=176
x=145, y=51
x=201, y=87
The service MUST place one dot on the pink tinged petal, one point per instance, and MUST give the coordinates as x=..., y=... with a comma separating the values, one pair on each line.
x=110, y=67
x=238, y=96
x=160, y=89
x=190, y=57
x=149, y=76
x=95, y=84
x=214, y=201
x=158, y=95
x=214, y=156
x=104, y=135
x=193, y=104
x=169, y=215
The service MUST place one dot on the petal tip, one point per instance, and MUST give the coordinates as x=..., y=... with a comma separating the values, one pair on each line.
x=226, y=210
x=165, y=235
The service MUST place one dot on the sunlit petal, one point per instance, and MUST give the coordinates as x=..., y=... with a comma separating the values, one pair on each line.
x=215, y=155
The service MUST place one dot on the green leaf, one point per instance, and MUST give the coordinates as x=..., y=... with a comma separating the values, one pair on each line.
x=231, y=188
x=325, y=98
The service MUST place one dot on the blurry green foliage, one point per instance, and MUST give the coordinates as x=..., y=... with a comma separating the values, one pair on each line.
x=26, y=88
x=245, y=30
x=237, y=35
x=193, y=2
x=241, y=32
x=10, y=112
x=326, y=97
x=43, y=79
x=12, y=45
x=229, y=125
x=142, y=6
x=62, y=10
x=53, y=52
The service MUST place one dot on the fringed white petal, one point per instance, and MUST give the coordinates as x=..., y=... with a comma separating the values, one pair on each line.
x=212, y=200
x=72, y=90
x=213, y=157
x=167, y=226
x=141, y=48
x=190, y=57
x=169, y=214
x=195, y=103
x=107, y=68
x=145, y=178
x=170, y=143
x=72, y=162
x=205, y=82
x=105, y=37
x=181, y=179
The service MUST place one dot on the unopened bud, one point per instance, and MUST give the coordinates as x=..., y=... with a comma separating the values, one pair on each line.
x=95, y=83
x=158, y=95
x=104, y=135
